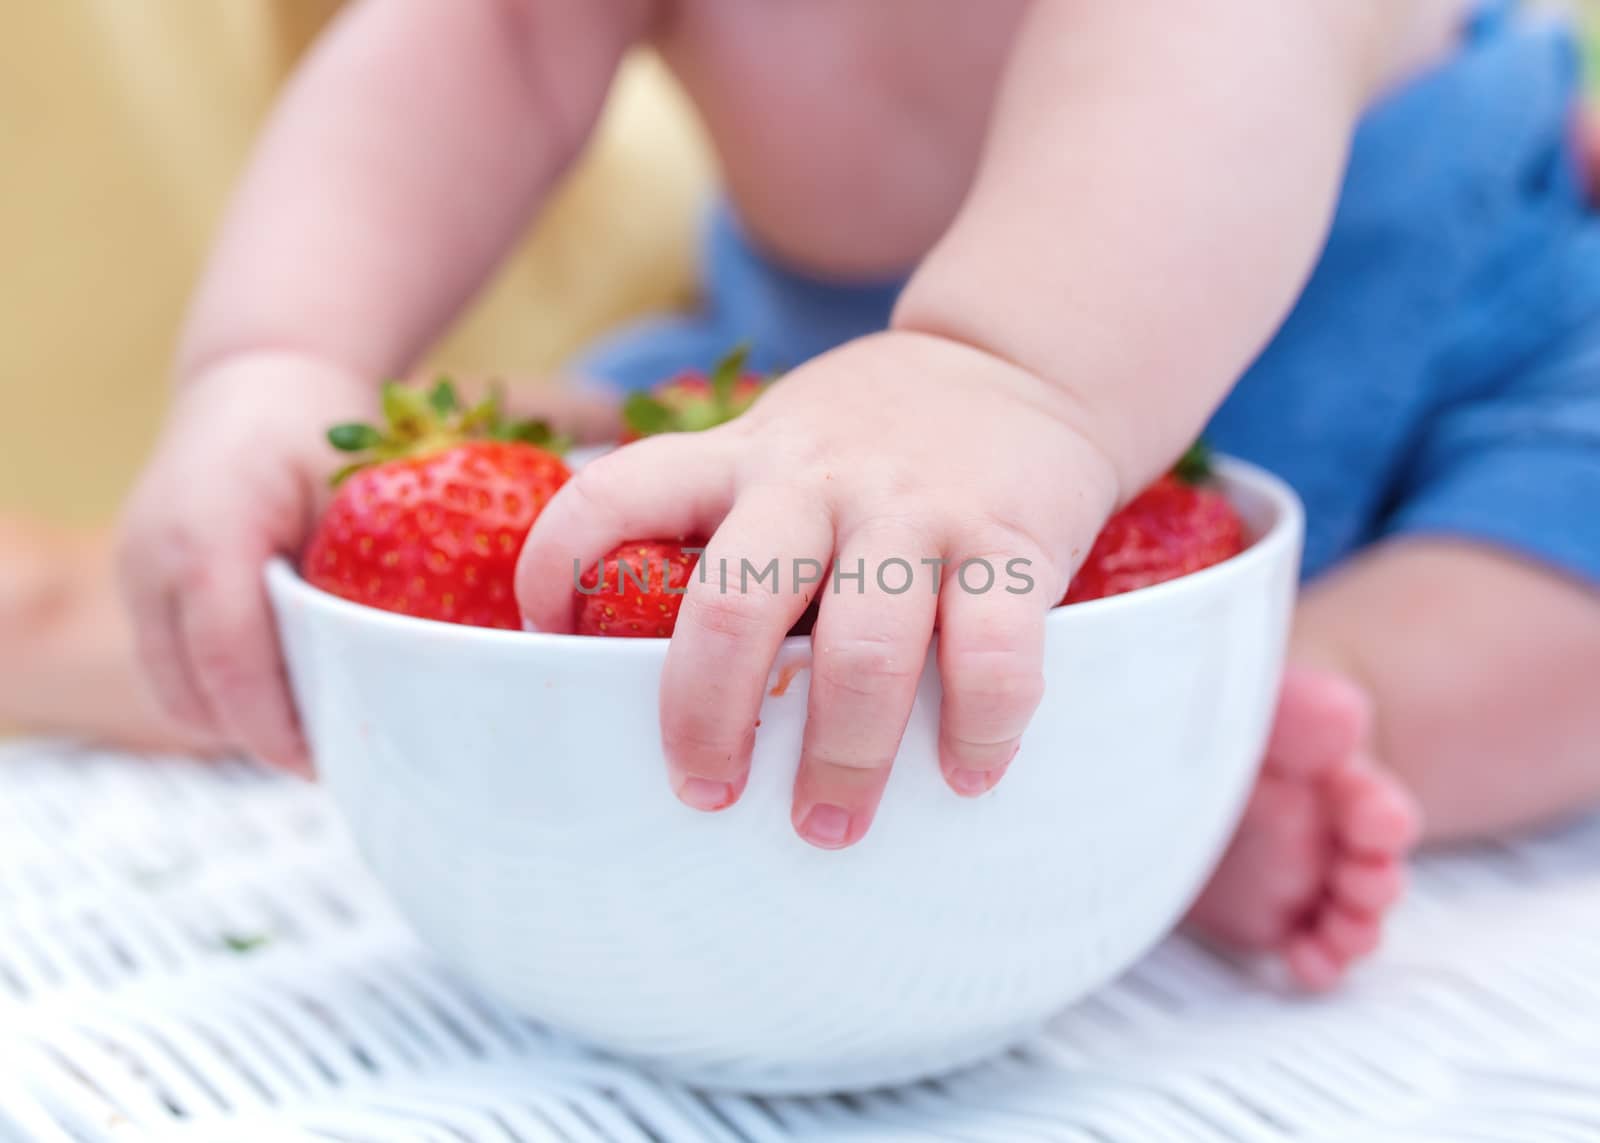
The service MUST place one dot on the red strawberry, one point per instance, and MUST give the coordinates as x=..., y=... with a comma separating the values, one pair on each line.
x=433, y=523
x=636, y=590
x=691, y=402
x=1174, y=527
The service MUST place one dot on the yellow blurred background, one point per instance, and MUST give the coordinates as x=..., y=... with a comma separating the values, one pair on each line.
x=123, y=124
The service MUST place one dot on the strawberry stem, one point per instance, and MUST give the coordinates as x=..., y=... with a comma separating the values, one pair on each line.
x=443, y=397
x=418, y=422
x=646, y=415
x=674, y=409
x=1196, y=465
x=725, y=376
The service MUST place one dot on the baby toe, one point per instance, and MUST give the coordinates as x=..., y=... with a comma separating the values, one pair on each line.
x=1349, y=935
x=1375, y=815
x=1322, y=719
x=1368, y=884
x=1273, y=802
x=1312, y=964
x=1240, y=922
x=1296, y=873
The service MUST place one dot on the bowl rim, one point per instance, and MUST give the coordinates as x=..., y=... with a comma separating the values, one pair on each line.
x=285, y=584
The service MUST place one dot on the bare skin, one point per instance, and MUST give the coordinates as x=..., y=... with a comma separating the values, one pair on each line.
x=1082, y=308
x=1436, y=677
x=405, y=104
x=63, y=636
x=852, y=158
x=1486, y=667
x=1319, y=857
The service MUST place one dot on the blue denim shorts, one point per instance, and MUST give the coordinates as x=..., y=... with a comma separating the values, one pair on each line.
x=1439, y=375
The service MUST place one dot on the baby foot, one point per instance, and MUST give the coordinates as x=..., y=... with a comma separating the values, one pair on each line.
x=66, y=654
x=1318, y=857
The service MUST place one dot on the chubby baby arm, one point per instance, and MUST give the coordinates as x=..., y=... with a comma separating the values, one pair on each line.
x=401, y=162
x=1156, y=189
x=1059, y=348
x=1486, y=713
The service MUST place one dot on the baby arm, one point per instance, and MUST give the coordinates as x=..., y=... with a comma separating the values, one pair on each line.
x=1156, y=189
x=1481, y=669
x=1060, y=346
x=397, y=170
x=403, y=158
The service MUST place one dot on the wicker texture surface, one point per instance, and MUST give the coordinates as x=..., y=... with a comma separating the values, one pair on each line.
x=194, y=953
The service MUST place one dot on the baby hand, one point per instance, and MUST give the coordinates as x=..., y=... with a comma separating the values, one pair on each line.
x=903, y=457
x=236, y=479
x=241, y=475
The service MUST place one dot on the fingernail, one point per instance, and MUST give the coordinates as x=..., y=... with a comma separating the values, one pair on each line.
x=705, y=794
x=826, y=826
x=971, y=783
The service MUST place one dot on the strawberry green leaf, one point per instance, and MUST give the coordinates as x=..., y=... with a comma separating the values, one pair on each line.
x=419, y=421
x=442, y=397
x=698, y=416
x=245, y=943
x=646, y=415
x=407, y=410
x=1195, y=466
x=354, y=437
x=485, y=415
x=533, y=432
x=725, y=376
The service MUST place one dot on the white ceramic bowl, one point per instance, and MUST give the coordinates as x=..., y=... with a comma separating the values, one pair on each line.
x=508, y=789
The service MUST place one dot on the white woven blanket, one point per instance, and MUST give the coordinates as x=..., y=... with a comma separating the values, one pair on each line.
x=193, y=953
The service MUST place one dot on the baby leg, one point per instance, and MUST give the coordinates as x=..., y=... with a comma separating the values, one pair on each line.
x=1483, y=669
x=1438, y=671
x=66, y=651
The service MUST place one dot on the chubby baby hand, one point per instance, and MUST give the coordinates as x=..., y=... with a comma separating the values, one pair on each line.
x=234, y=480
x=936, y=486
x=238, y=477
